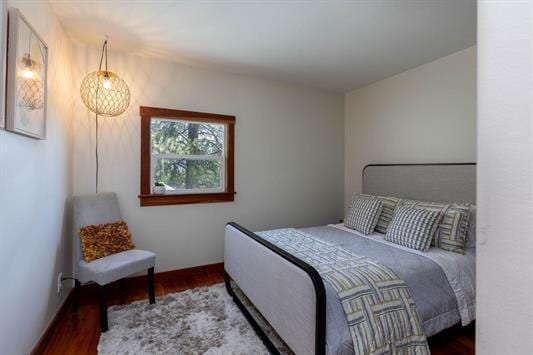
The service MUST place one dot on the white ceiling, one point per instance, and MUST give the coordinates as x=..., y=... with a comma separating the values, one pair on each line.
x=335, y=45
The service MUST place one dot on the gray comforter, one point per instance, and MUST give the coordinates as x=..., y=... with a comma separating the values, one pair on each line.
x=435, y=300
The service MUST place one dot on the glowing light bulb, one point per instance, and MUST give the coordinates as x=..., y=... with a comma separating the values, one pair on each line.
x=28, y=73
x=107, y=83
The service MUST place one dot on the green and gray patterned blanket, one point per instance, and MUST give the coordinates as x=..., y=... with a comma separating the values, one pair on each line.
x=380, y=312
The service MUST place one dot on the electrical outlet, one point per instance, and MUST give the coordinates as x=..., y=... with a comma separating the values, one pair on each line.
x=59, y=283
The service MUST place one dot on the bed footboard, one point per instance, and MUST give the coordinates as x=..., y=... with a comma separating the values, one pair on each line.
x=288, y=292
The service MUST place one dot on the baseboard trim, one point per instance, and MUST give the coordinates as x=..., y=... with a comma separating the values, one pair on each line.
x=45, y=338
x=188, y=272
x=49, y=331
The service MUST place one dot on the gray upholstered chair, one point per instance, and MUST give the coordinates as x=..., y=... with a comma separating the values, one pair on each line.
x=99, y=209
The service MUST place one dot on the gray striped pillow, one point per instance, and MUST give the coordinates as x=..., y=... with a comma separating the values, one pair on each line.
x=363, y=214
x=387, y=212
x=453, y=228
x=413, y=227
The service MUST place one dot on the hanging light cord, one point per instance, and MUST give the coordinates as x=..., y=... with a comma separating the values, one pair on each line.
x=104, y=50
x=29, y=50
x=96, y=151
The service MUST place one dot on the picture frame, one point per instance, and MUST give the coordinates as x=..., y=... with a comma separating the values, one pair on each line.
x=3, y=59
x=26, y=89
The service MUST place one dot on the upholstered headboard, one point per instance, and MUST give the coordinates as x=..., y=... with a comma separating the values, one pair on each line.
x=442, y=182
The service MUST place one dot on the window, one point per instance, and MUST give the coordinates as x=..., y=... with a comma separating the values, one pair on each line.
x=186, y=157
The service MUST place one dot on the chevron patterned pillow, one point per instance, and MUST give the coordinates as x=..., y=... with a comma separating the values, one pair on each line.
x=363, y=214
x=413, y=227
x=389, y=208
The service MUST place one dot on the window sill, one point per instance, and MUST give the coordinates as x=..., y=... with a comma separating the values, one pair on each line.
x=169, y=199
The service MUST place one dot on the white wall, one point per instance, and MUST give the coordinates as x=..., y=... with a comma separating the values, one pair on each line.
x=289, y=154
x=505, y=178
x=426, y=114
x=35, y=180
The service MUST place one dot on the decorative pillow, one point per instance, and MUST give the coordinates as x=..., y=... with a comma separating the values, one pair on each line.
x=471, y=234
x=102, y=240
x=452, y=231
x=389, y=207
x=363, y=214
x=387, y=212
x=413, y=227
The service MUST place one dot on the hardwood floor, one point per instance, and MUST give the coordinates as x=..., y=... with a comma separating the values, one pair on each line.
x=79, y=333
x=457, y=341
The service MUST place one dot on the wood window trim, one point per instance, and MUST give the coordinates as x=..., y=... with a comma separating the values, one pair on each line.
x=146, y=197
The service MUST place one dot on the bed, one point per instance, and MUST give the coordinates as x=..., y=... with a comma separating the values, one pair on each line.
x=307, y=313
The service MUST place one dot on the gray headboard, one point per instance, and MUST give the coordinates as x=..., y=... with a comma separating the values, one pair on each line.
x=440, y=182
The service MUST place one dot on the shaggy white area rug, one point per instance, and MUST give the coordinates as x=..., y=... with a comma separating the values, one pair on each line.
x=199, y=321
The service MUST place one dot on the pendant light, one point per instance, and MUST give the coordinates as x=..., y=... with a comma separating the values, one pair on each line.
x=104, y=94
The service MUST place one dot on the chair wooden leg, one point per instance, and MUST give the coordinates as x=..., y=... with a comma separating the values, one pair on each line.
x=103, y=308
x=151, y=286
x=76, y=298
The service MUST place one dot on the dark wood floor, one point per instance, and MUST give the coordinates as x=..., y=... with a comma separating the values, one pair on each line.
x=79, y=334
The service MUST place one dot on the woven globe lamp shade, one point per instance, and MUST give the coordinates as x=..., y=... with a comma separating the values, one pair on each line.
x=104, y=93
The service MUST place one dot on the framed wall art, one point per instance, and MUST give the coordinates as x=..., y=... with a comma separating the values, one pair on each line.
x=3, y=52
x=27, y=61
